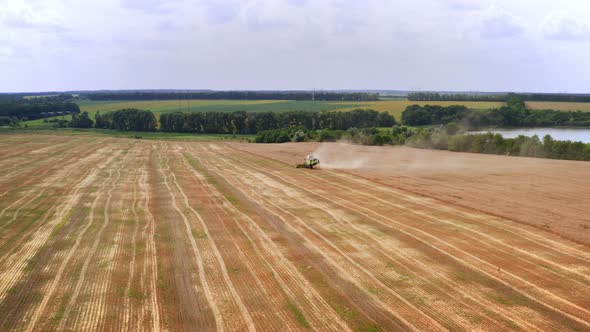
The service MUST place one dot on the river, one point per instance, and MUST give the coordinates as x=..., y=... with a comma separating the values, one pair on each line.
x=560, y=134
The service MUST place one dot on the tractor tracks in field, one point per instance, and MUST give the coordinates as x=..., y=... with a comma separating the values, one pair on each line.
x=88, y=314
x=47, y=294
x=199, y=259
x=58, y=178
x=420, y=234
x=497, y=223
x=267, y=259
x=393, y=304
x=506, y=278
x=18, y=260
x=40, y=250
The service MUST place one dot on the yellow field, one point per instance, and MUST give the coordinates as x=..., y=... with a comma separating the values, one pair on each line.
x=396, y=107
x=560, y=106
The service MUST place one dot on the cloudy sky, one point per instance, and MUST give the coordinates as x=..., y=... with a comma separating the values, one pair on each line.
x=491, y=45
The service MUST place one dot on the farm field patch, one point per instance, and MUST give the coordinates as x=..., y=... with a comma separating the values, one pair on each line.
x=101, y=233
x=560, y=106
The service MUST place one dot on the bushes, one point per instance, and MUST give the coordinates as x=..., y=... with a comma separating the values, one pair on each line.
x=279, y=135
x=365, y=136
x=376, y=139
x=81, y=121
x=6, y=120
x=298, y=134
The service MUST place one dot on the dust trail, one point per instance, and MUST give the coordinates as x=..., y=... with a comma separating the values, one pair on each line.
x=342, y=159
x=351, y=157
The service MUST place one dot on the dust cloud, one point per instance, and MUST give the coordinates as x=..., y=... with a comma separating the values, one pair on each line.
x=351, y=157
x=338, y=156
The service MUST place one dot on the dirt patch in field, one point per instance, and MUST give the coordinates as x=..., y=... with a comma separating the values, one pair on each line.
x=551, y=194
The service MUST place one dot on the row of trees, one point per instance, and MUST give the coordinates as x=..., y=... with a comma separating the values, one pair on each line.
x=251, y=123
x=515, y=114
x=130, y=119
x=435, y=96
x=232, y=95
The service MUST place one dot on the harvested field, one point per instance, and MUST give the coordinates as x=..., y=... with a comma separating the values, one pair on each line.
x=551, y=194
x=117, y=234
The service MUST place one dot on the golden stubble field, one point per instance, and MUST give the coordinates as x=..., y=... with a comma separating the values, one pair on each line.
x=117, y=234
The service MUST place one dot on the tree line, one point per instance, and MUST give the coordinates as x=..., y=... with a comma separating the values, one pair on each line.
x=129, y=119
x=514, y=114
x=233, y=95
x=239, y=122
x=250, y=123
x=559, y=97
x=435, y=96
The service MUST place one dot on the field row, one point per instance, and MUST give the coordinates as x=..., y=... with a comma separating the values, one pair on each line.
x=129, y=235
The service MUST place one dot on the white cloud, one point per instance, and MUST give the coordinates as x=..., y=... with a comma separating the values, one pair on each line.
x=499, y=23
x=466, y=5
x=149, y=6
x=564, y=26
x=297, y=2
x=221, y=11
x=34, y=18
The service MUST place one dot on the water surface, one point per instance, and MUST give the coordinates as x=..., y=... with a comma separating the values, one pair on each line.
x=560, y=134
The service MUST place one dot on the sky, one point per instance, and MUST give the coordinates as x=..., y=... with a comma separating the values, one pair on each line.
x=451, y=45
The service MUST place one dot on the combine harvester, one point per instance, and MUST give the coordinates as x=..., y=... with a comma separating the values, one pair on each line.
x=309, y=162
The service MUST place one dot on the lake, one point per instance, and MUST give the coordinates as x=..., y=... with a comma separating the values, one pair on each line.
x=560, y=134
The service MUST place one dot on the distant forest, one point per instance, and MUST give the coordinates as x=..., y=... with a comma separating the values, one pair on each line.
x=21, y=109
x=563, y=97
x=234, y=95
